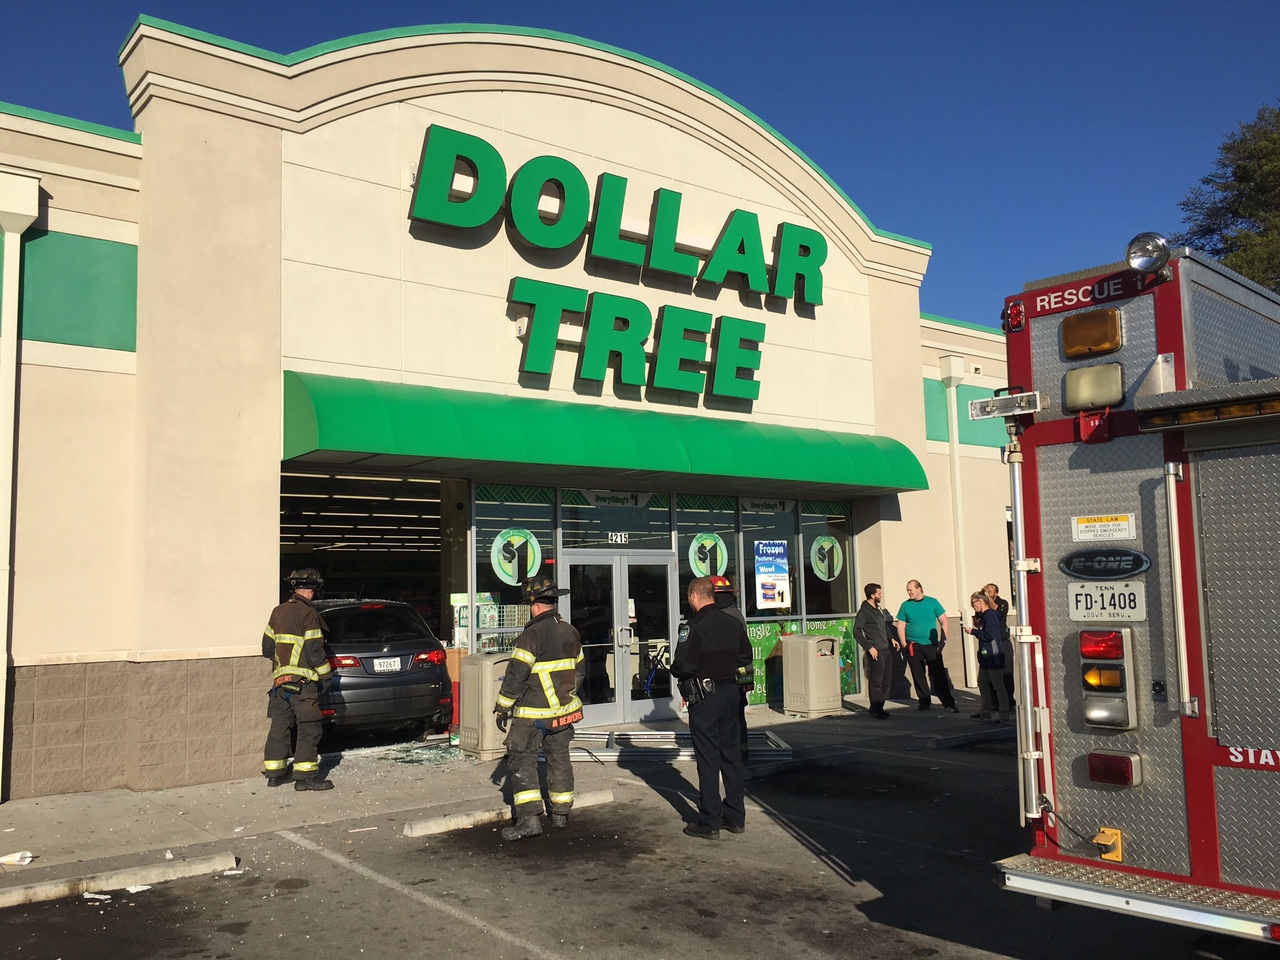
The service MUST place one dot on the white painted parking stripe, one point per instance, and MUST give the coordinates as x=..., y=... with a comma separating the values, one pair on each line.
x=422, y=898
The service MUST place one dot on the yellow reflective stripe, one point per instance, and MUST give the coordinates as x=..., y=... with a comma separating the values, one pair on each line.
x=274, y=764
x=549, y=691
x=505, y=702
x=306, y=767
x=527, y=796
x=524, y=656
x=561, y=799
x=324, y=669
x=315, y=633
x=547, y=713
x=546, y=666
x=269, y=632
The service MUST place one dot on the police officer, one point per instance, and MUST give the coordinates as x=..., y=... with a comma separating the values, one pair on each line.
x=723, y=592
x=294, y=643
x=708, y=661
x=539, y=699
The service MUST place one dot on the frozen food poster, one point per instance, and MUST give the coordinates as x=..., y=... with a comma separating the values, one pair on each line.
x=773, y=574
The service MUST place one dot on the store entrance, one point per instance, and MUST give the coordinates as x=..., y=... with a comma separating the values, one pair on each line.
x=625, y=607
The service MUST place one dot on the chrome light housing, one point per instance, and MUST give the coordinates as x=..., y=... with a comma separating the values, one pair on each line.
x=1147, y=253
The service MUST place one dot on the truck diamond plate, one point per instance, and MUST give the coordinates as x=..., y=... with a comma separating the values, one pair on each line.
x=1118, y=478
x=1238, y=504
x=1242, y=905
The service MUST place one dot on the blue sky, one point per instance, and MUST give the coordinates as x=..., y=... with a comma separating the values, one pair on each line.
x=1019, y=139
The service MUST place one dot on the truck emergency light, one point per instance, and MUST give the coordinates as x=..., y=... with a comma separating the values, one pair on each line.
x=1008, y=405
x=1101, y=645
x=1091, y=333
x=1147, y=253
x=1014, y=317
x=1094, y=387
x=1105, y=659
x=1235, y=410
x=1115, y=768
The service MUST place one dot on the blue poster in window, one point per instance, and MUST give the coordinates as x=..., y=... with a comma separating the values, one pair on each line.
x=773, y=574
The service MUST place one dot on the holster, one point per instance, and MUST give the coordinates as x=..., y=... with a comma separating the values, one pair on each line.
x=695, y=690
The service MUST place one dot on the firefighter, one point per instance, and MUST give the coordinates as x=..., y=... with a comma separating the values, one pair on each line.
x=539, y=700
x=724, y=597
x=294, y=643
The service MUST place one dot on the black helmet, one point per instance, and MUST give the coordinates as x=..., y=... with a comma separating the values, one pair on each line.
x=306, y=577
x=540, y=590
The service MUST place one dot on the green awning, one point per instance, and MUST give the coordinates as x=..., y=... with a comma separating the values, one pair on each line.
x=423, y=429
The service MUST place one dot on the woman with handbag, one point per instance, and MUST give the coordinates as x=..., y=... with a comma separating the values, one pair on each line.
x=991, y=657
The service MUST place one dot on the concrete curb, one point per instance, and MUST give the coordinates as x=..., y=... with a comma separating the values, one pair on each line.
x=115, y=879
x=474, y=818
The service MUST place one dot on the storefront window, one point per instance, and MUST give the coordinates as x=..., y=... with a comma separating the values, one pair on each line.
x=515, y=540
x=616, y=520
x=769, y=560
x=706, y=541
x=828, y=573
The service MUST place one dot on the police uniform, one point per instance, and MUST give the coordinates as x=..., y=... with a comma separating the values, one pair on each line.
x=294, y=642
x=717, y=646
x=540, y=693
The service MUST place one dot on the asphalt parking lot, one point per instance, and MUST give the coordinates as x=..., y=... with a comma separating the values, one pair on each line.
x=887, y=854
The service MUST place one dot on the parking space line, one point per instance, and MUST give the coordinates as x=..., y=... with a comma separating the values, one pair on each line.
x=422, y=898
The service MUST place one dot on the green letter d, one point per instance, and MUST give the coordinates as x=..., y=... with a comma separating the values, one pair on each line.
x=441, y=151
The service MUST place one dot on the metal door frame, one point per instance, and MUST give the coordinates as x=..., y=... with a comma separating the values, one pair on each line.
x=623, y=709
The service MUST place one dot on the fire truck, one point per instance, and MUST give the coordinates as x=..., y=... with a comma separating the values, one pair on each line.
x=1144, y=452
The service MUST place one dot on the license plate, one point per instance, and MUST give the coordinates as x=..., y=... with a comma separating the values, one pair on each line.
x=386, y=664
x=1123, y=601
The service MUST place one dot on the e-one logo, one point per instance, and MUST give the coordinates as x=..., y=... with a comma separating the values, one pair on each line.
x=1104, y=563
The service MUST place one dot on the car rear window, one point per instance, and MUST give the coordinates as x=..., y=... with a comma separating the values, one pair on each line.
x=362, y=624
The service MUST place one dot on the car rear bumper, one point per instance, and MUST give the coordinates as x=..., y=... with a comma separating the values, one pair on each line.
x=355, y=705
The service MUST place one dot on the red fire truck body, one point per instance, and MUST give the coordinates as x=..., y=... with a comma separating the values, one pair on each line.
x=1145, y=463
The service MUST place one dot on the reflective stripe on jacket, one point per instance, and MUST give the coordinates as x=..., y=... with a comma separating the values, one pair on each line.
x=545, y=670
x=294, y=642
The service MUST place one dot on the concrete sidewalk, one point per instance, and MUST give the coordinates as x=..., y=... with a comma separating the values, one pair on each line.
x=143, y=837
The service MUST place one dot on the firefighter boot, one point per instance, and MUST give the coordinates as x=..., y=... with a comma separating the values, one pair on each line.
x=527, y=826
x=559, y=819
x=315, y=783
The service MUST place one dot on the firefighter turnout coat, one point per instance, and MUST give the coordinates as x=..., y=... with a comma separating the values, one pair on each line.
x=544, y=673
x=294, y=643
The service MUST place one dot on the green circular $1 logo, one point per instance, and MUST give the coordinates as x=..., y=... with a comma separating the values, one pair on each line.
x=708, y=556
x=515, y=555
x=826, y=557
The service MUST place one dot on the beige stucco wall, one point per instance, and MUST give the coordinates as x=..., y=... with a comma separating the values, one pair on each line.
x=73, y=522
x=208, y=382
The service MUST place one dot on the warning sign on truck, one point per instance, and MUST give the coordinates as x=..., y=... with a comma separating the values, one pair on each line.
x=1085, y=529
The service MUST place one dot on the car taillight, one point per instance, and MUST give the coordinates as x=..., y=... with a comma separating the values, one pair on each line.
x=430, y=656
x=328, y=712
x=372, y=606
x=1101, y=645
x=344, y=662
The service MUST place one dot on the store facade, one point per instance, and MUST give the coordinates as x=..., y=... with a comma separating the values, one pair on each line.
x=435, y=310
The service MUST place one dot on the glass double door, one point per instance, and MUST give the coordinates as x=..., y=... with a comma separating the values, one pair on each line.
x=626, y=610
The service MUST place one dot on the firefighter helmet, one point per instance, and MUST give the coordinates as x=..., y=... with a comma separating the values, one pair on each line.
x=721, y=585
x=540, y=590
x=304, y=578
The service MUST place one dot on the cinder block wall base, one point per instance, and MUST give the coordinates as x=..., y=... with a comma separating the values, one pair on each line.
x=94, y=726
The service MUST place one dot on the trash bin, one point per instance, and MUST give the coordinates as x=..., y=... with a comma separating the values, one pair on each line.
x=478, y=735
x=811, y=676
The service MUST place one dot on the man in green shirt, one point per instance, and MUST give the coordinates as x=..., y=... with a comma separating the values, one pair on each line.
x=925, y=623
